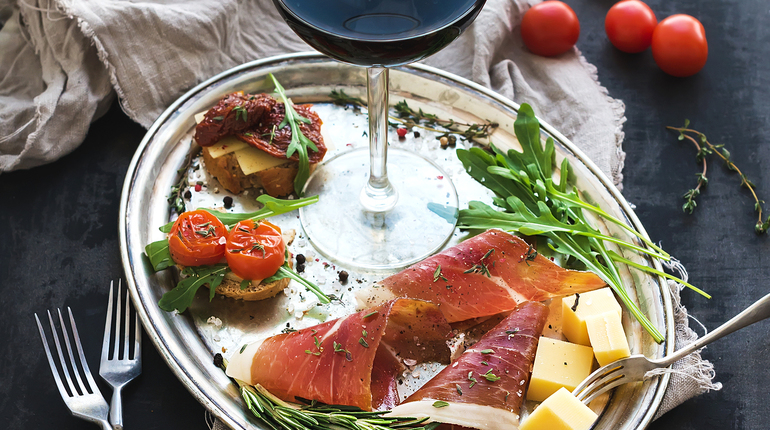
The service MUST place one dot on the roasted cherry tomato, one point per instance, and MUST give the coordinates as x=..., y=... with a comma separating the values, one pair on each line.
x=197, y=238
x=255, y=250
x=629, y=25
x=679, y=45
x=550, y=28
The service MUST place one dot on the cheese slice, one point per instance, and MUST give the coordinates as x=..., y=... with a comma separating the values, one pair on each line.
x=560, y=411
x=608, y=339
x=558, y=364
x=253, y=160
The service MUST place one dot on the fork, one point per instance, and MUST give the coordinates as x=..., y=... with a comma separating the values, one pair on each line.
x=84, y=400
x=120, y=368
x=636, y=367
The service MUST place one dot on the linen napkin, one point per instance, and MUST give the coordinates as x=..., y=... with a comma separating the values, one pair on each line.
x=63, y=61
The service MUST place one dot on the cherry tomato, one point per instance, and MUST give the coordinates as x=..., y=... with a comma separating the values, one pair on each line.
x=255, y=250
x=629, y=25
x=196, y=239
x=550, y=28
x=679, y=45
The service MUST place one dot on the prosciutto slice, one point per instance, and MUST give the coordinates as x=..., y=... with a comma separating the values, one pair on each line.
x=486, y=386
x=484, y=275
x=349, y=361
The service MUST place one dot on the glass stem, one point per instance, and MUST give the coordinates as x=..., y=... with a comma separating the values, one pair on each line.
x=378, y=195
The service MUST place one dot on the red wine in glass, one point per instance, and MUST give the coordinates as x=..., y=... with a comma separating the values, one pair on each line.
x=379, y=33
x=388, y=220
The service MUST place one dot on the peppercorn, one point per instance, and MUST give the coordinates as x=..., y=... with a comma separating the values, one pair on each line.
x=401, y=133
x=187, y=195
x=416, y=133
x=300, y=268
x=300, y=259
x=343, y=276
x=444, y=142
x=198, y=187
x=452, y=141
x=228, y=201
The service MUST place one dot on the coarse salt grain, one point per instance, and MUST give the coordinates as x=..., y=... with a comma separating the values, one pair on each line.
x=214, y=321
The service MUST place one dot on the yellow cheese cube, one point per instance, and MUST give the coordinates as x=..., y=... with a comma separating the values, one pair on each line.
x=558, y=364
x=608, y=339
x=591, y=303
x=560, y=411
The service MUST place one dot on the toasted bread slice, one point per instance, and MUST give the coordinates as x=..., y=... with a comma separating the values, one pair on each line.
x=277, y=181
x=231, y=284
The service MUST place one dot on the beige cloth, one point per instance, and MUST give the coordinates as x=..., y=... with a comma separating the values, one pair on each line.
x=62, y=61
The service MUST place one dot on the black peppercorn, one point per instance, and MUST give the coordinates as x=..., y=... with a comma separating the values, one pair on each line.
x=228, y=201
x=416, y=133
x=187, y=195
x=343, y=276
x=300, y=259
x=300, y=268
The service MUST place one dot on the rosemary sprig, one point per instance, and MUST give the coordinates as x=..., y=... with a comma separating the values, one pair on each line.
x=299, y=142
x=706, y=148
x=410, y=118
x=277, y=414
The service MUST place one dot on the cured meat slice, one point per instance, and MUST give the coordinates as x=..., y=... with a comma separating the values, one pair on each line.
x=349, y=361
x=486, y=386
x=234, y=113
x=267, y=136
x=484, y=275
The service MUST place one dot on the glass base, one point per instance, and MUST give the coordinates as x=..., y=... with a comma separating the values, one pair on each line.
x=420, y=223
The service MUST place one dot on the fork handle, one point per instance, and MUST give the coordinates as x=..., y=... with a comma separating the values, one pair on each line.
x=116, y=408
x=754, y=313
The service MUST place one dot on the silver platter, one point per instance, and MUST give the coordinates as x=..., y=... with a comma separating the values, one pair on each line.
x=188, y=341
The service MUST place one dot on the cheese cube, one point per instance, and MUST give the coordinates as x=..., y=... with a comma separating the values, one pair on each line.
x=558, y=364
x=560, y=411
x=608, y=339
x=591, y=303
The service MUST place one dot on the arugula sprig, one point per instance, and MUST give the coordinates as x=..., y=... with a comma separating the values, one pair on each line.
x=285, y=271
x=299, y=142
x=535, y=204
x=272, y=207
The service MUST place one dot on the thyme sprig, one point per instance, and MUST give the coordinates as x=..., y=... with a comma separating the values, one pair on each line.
x=534, y=203
x=277, y=414
x=705, y=149
x=411, y=118
x=176, y=198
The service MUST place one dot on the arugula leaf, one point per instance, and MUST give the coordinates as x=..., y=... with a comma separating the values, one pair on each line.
x=286, y=271
x=159, y=255
x=272, y=207
x=533, y=203
x=182, y=295
x=299, y=142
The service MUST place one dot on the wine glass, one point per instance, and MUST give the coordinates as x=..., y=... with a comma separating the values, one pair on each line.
x=397, y=214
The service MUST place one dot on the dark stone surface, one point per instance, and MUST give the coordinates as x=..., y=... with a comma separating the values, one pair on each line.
x=59, y=245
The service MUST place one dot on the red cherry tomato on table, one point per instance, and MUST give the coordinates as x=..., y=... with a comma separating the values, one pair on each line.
x=629, y=25
x=255, y=250
x=679, y=45
x=197, y=238
x=550, y=28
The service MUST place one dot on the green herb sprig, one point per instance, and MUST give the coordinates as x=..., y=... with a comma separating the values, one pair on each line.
x=299, y=142
x=411, y=118
x=277, y=414
x=533, y=203
x=176, y=199
x=272, y=207
x=704, y=149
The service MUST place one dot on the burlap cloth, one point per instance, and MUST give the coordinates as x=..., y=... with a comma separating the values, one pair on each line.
x=62, y=61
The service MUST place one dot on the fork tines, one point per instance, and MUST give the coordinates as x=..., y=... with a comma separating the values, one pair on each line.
x=70, y=390
x=113, y=337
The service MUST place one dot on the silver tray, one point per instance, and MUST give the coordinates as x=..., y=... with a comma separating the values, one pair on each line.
x=188, y=341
